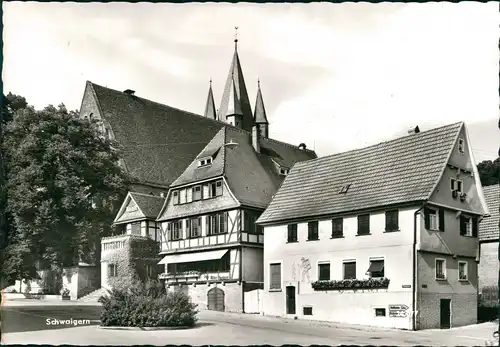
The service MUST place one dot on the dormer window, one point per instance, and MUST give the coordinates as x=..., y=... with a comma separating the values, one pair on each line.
x=205, y=161
x=284, y=171
x=461, y=145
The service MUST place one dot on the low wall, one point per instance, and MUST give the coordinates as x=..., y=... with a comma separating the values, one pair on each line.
x=14, y=296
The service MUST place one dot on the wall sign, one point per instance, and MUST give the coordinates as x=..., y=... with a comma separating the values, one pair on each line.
x=399, y=311
x=406, y=286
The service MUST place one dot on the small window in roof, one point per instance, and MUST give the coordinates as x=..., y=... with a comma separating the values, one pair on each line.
x=284, y=171
x=205, y=161
x=344, y=189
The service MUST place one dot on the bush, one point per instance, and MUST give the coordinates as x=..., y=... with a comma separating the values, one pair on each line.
x=147, y=305
x=487, y=313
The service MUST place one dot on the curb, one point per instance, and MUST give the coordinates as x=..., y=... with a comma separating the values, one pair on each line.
x=183, y=327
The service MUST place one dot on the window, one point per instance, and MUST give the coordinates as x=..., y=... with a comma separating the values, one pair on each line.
x=312, y=232
x=112, y=270
x=292, y=233
x=217, y=223
x=205, y=161
x=284, y=172
x=461, y=145
x=434, y=219
x=344, y=189
x=456, y=185
x=337, y=227
x=392, y=220
x=176, y=197
x=349, y=269
x=249, y=219
x=275, y=276
x=468, y=226
x=440, y=269
x=307, y=310
x=175, y=230
x=214, y=189
x=364, y=224
x=324, y=271
x=196, y=193
x=189, y=195
x=194, y=227
x=376, y=268
x=380, y=312
x=135, y=228
x=149, y=270
x=182, y=196
x=462, y=270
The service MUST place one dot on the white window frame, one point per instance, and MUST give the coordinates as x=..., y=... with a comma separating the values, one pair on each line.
x=444, y=269
x=349, y=261
x=461, y=145
x=284, y=171
x=323, y=262
x=435, y=212
x=466, y=270
x=280, y=262
x=112, y=270
x=468, y=226
x=454, y=185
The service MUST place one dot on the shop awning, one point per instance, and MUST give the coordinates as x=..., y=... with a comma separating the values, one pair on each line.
x=189, y=257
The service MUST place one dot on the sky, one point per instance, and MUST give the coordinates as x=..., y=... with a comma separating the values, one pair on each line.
x=335, y=76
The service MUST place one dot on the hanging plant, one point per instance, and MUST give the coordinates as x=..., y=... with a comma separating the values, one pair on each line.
x=370, y=283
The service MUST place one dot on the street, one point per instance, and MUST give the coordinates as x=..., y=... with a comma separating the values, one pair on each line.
x=27, y=324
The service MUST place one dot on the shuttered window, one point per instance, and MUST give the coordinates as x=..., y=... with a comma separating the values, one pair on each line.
x=434, y=219
x=324, y=271
x=292, y=233
x=217, y=223
x=196, y=193
x=275, y=276
x=337, y=227
x=312, y=233
x=364, y=224
x=349, y=270
x=392, y=220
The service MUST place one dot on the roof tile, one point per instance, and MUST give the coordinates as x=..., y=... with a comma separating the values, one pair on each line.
x=489, y=226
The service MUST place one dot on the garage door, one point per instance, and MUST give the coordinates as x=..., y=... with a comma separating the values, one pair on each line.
x=216, y=299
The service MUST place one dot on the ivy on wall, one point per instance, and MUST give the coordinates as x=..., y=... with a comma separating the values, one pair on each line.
x=351, y=284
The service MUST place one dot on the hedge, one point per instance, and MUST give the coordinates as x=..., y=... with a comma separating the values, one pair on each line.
x=147, y=305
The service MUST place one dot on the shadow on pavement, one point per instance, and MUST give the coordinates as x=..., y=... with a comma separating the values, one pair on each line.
x=36, y=318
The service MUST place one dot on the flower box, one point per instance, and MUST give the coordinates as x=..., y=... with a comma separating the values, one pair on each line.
x=351, y=284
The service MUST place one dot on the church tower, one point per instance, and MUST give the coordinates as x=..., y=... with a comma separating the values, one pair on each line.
x=235, y=106
x=260, y=118
x=210, y=106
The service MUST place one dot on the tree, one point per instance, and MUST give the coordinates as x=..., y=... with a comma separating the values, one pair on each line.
x=64, y=187
x=489, y=172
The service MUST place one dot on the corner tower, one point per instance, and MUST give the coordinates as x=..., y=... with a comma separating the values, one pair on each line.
x=235, y=105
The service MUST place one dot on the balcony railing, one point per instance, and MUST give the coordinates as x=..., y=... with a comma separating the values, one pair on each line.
x=195, y=276
x=117, y=241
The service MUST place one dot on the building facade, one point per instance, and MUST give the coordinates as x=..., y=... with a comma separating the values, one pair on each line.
x=383, y=236
x=488, y=243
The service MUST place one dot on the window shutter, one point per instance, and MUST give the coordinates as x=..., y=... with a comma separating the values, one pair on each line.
x=226, y=226
x=462, y=225
x=441, y=220
x=388, y=221
x=207, y=222
x=474, y=226
x=427, y=218
x=188, y=227
x=169, y=231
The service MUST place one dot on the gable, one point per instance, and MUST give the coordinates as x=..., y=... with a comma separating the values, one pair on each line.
x=394, y=172
x=129, y=211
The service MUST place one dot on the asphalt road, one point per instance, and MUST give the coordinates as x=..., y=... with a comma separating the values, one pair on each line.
x=28, y=325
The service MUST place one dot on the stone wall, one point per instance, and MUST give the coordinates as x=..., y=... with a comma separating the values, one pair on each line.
x=463, y=309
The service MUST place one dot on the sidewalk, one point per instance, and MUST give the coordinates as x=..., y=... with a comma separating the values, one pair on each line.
x=41, y=302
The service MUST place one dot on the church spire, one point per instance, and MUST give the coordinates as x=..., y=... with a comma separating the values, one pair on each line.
x=210, y=106
x=235, y=105
x=260, y=118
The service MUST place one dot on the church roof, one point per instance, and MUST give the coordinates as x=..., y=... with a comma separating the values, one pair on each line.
x=252, y=177
x=489, y=226
x=235, y=97
x=157, y=141
x=398, y=171
x=260, y=110
x=210, y=105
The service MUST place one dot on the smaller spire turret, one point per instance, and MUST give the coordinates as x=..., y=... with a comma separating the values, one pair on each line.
x=260, y=117
x=210, y=105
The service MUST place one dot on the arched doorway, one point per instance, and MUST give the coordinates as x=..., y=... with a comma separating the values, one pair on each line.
x=215, y=299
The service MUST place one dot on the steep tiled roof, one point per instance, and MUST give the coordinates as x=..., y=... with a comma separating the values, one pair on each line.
x=158, y=141
x=488, y=228
x=259, y=111
x=150, y=205
x=210, y=106
x=252, y=176
x=235, y=97
x=398, y=171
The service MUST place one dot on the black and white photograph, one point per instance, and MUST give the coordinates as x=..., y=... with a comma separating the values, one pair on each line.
x=250, y=173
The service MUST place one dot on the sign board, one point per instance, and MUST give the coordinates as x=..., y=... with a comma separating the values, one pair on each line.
x=398, y=311
x=406, y=286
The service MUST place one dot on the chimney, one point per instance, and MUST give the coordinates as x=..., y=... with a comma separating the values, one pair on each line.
x=256, y=138
x=302, y=146
x=129, y=91
x=414, y=130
